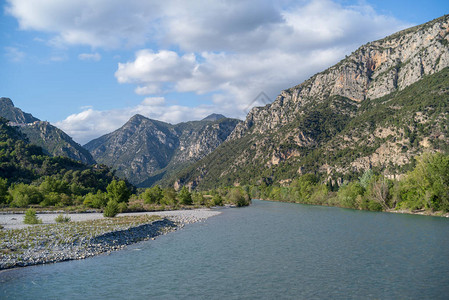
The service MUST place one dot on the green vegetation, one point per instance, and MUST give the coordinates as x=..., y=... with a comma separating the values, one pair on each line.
x=28, y=177
x=62, y=219
x=111, y=209
x=31, y=218
x=334, y=132
x=426, y=187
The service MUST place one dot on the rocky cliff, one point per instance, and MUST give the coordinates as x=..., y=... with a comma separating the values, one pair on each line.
x=145, y=150
x=377, y=108
x=53, y=140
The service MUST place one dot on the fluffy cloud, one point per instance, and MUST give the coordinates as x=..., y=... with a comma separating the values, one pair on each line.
x=229, y=50
x=97, y=23
x=154, y=69
x=91, y=123
x=236, y=49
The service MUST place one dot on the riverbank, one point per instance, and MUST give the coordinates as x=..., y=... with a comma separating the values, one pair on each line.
x=85, y=236
x=421, y=212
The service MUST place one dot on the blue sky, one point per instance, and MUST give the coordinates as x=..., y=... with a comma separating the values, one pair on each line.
x=88, y=65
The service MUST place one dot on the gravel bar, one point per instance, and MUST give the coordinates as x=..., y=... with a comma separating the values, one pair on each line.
x=85, y=236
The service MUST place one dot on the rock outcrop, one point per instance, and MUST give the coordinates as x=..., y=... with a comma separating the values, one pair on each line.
x=336, y=122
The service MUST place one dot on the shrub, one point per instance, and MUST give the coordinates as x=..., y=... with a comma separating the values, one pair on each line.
x=237, y=198
x=136, y=207
x=62, y=219
x=24, y=195
x=185, y=197
x=111, y=209
x=122, y=207
x=153, y=195
x=31, y=218
x=347, y=195
x=217, y=200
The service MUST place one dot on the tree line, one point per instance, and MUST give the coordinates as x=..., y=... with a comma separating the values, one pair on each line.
x=425, y=187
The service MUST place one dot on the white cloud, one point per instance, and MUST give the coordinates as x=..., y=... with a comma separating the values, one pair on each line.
x=152, y=70
x=14, y=54
x=237, y=49
x=230, y=49
x=91, y=123
x=89, y=56
x=97, y=23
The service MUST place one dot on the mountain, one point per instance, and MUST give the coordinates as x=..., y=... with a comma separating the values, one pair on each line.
x=378, y=108
x=23, y=162
x=145, y=150
x=213, y=117
x=53, y=140
x=14, y=114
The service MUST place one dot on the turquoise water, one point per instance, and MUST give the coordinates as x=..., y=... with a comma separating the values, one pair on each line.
x=266, y=251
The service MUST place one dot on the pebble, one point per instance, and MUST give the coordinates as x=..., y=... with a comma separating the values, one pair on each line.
x=39, y=250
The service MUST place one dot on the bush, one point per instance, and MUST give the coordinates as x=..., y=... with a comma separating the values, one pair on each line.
x=153, y=195
x=136, y=207
x=98, y=200
x=185, y=197
x=31, y=218
x=122, y=207
x=23, y=195
x=348, y=194
x=217, y=200
x=111, y=209
x=237, y=197
x=62, y=219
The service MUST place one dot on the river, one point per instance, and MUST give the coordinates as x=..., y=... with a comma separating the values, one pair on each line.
x=269, y=250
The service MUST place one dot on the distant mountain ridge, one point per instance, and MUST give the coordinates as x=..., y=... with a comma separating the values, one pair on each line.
x=145, y=150
x=378, y=108
x=214, y=117
x=53, y=140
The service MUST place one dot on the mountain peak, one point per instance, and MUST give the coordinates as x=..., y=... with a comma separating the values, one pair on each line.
x=6, y=101
x=14, y=114
x=214, y=117
x=52, y=139
x=137, y=117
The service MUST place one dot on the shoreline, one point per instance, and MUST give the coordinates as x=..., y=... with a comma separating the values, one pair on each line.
x=394, y=211
x=52, y=243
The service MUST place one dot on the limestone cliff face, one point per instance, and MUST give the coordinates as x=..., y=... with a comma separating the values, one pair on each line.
x=53, y=140
x=378, y=108
x=374, y=70
x=144, y=148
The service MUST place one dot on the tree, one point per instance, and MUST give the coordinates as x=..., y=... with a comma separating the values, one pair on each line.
x=217, y=200
x=153, y=195
x=52, y=185
x=379, y=191
x=304, y=187
x=348, y=195
x=3, y=190
x=185, y=197
x=169, y=197
x=98, y=200
x=111, y=209
x=118, y=191
x=427, y=185
x=237, y=197
x=365, y=180
x=23, y=195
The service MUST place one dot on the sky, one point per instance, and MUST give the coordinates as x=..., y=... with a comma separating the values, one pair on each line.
x=87, y=66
